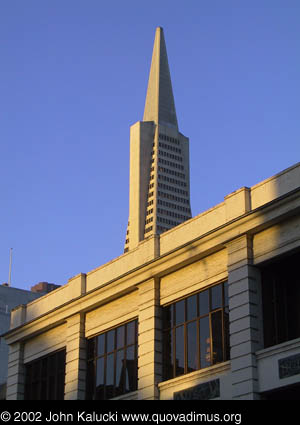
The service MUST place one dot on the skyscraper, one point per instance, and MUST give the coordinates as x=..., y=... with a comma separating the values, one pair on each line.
x=159, y=193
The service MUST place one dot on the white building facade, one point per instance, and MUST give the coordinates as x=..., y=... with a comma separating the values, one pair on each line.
x=209, y=309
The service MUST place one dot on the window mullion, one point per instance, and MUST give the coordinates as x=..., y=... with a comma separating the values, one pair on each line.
x=174, y=350
x=210, y=339
x=185, y=351
x=223, y=322
x=198, y=343
x=185, y=338
x=104, y=371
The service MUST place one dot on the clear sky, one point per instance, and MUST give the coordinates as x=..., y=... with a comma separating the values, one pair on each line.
x=73, y=78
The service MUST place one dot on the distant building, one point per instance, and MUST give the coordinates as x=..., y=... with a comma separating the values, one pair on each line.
x=159, y=187
x=206, y=310
x=44, y=287
x=9, y=299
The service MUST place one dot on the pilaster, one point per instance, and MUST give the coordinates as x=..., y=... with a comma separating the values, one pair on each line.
x=16, y=373
x=245, y=317
x=75, y=358
x=150, y=341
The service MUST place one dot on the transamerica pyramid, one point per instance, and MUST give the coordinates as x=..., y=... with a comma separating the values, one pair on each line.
x=159, y=191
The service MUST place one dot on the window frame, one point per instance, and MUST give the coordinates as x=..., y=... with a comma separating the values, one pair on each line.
x=280, y=295
x=169, y=332
x=36, y=384
x=93, y=357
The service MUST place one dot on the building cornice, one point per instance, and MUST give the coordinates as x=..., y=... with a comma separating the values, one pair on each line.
x=214, y=240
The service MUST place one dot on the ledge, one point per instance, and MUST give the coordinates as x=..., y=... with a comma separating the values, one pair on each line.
x=129, y=396
x=278, y=349
x=202, y=374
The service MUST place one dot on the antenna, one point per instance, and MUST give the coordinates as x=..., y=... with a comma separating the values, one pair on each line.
x=10, y=261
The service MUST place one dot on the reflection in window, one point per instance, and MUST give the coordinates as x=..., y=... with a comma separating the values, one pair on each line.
x=196, y=332
x=179, y=350
x=192, y=346
x=179, y=312
x=112, y=363
x=204, y=338
x=191, y=307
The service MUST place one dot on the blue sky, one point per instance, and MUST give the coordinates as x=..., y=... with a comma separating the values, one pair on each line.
x=73, y=78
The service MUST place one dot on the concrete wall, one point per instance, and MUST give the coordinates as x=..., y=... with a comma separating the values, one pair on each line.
x=45, y=343
x=185, y=382
x=276, y=240
x=112, y=314
x=268, y=368
x=193, y=277
x=275, y=186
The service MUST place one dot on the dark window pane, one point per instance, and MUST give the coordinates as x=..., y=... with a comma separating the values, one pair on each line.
x=61, y=357
x=281, y=300
x=180, y=351
x=130, y=353
x=269, y=319
x=192, y=307
x=217, y=338
x=100, y=372
x=131, y=369
x=192, y=346
x=179, y=312
x=101, y=345
x=226, y=300
x=196, y=317
x=51, y=388
x=204, y=342
x=51, y=365
x=120, y=372
x=216, y=297
x=44, y=378
x=226, y=333
x=203, y=303
x=44, y=390
x=44, y=368
x=110, y=369
x=100, y=393
x=107, y=378
x=281, y=311
x=100, y=378
x=28, y=385
x=110, y=376
x=36, y=371
x=110, y=340
x=60, y=392
x=293, y=310
x=35, y=393
x=120, y=336
x=131, y=333
x=29, y=372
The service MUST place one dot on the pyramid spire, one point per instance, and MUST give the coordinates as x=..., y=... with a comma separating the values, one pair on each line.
x=159, y=177
x=160, y=105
